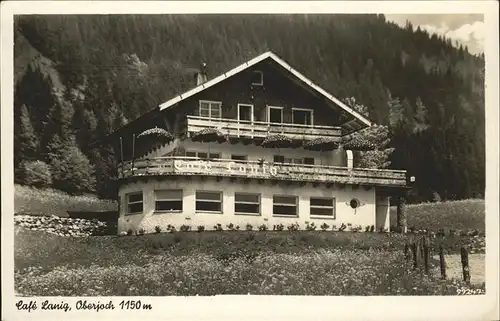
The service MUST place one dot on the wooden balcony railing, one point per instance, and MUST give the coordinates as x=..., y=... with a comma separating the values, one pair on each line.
x=259, y=129
x=254, y=169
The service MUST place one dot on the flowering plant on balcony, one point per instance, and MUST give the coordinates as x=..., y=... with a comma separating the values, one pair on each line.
x=321, y=144
x=158, y=133
x=209, y=135
x=277, y=141
x=360, y=144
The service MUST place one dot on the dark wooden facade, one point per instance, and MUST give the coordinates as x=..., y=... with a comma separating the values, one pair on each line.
x=279, y=89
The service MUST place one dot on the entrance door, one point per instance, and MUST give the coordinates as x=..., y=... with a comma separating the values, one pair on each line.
x=245, y=112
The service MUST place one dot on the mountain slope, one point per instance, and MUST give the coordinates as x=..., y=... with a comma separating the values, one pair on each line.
x=111, y=69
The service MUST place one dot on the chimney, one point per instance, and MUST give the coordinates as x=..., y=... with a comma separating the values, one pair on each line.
x=201, y=76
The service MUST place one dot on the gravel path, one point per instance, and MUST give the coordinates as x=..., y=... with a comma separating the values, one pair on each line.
x=476, y=266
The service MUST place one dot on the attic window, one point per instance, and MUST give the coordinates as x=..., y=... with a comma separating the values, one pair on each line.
x=257, y=78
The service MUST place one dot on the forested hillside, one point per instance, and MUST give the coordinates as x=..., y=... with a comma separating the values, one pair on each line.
x=79, y=77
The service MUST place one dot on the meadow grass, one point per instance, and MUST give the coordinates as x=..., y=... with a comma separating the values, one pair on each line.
x=47, y=251
x=312, y=272
x=35, y=201
x=457, y=215
x=231, y=262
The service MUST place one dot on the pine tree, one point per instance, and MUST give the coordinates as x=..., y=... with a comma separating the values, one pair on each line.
x=85, y=126
x=28, y=141
x=105, y=171
x=421, y=116
x=72, y=172
x=54, y=158
x=396, y=111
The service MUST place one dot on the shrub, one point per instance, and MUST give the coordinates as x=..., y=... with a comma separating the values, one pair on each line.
x=263, y=227
x=342, y=227
x=171, y=228
x=71, y=169
x=334, y=227
x=372, y=228
x=231, y=227
x=324, y=226
x=130, y=231
x=355, y=229
x=310, y=226
x=157, y=229
x=278, y=227
x=141, y=231
x=36, y=174
x=367, y=228
x=249, y=227
x=452, y=232
x=293, y=227
x=218, y=227
x=185, y=228
x=201, y=228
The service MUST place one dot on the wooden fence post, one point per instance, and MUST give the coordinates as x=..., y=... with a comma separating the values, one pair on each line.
x=421, y=247
x=415, y=255
x=442, y=262
x=426, y=255
x=465, y=264
x=401, y=213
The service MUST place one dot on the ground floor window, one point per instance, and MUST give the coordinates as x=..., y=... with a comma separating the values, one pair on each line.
x=322, y=206
x=134, y=203
x=208, y=201
x=168, y=200
x=246, y=203
x=285, y=205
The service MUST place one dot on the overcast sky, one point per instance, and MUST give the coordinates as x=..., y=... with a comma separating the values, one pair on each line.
x=467, y=29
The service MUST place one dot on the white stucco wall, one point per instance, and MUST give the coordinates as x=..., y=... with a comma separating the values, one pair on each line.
x=334, y=158
x=363, y=215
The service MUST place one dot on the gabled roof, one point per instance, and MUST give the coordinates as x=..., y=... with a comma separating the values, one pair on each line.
x=356, y=123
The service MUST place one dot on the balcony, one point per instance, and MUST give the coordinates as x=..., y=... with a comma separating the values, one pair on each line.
x=192, y=166
x=259, y=130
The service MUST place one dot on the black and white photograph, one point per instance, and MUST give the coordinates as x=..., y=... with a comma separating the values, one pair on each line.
x=273, y=155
